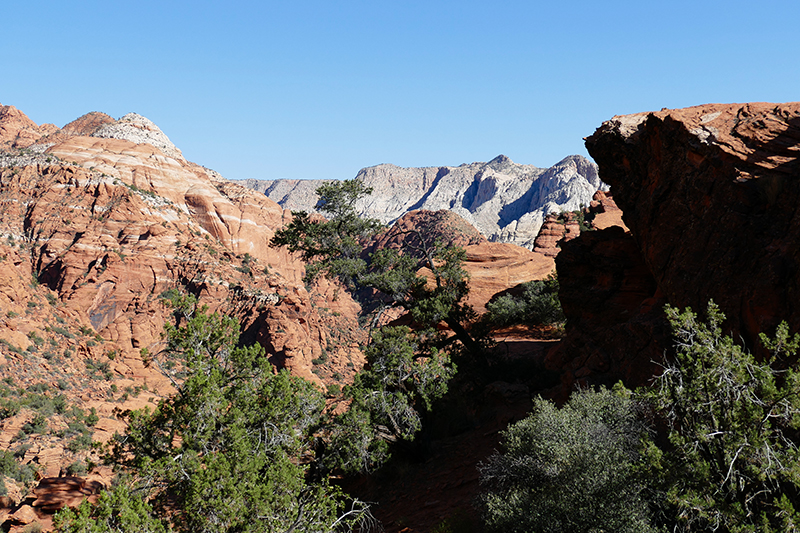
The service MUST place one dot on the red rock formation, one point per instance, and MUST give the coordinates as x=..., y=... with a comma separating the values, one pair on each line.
x=18, y=131
x=612, y=308
x=492, y=267
x=710, y=195
x=556, y=228
x=604, y=211
x=54, y=493
x=96, y=229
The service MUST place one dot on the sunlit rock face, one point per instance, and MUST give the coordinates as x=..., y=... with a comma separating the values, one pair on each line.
x=505, y=201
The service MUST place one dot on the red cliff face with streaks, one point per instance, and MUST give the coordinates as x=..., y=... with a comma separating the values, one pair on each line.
x=710, y=195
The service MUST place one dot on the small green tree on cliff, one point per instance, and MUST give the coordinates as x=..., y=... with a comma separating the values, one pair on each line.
x=406, y=369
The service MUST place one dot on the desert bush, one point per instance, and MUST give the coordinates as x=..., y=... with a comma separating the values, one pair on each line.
x=119, y=510
x=733, y=462
x=537, y=305
x=574, y=469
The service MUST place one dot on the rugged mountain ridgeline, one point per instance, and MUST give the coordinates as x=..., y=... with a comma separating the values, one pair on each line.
x=506, y=201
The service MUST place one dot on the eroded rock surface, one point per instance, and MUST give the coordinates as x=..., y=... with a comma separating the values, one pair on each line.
x=710, y=195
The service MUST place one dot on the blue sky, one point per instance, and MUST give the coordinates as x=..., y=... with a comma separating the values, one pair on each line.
x=313, y=89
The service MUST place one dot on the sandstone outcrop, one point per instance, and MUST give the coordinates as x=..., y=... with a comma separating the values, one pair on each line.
x=18, y=131
x=709, y=194
x=492, y=267
x=505, y=201
x=94, y=230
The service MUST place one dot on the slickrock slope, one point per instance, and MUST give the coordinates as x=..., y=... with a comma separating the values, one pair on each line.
x=505, y=201
x=710, y=195
x=97, y=225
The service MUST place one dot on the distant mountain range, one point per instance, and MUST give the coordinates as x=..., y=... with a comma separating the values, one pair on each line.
x=506, y=201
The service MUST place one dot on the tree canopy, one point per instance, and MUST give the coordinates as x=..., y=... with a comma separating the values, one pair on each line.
x=407, y=369
x=228, y=452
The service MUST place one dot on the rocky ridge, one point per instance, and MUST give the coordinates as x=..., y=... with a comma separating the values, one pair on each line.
x=710, y=195
x=505, y=201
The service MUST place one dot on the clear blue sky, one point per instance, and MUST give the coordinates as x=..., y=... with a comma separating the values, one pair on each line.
x=320, y=89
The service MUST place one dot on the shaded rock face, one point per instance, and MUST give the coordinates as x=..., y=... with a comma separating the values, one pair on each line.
x=710, y=195
x=613, y=311
x=505, y=201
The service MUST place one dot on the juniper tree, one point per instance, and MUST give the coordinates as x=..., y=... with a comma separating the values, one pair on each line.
x=229, y=451
x=407, y=369
x=733, y=462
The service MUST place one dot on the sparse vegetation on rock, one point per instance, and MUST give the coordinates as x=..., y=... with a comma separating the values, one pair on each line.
x=228, y=452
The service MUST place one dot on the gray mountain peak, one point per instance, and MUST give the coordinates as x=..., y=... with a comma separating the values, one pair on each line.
x=506, y=201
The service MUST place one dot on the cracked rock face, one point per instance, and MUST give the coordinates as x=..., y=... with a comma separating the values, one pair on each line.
x=505, y=201
x=710, y=194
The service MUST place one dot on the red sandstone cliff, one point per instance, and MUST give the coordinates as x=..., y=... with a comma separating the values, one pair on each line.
x=710, y=195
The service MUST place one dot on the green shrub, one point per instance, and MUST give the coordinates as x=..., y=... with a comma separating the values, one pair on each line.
x=36, y=339
x=8, y=408
x=8, y=464
x=537, y=305
x=78, y=468
x=38, y=424
x=119, y=510
x=573, y=469
x=92, y=418
x=80, y=443
x=62, y=331
x=26, y=474
x=732, y=463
